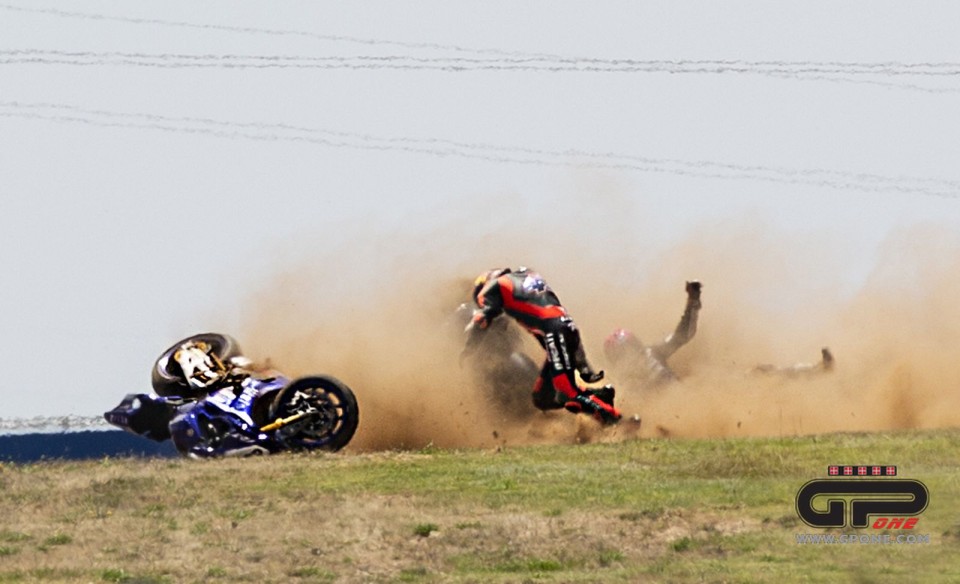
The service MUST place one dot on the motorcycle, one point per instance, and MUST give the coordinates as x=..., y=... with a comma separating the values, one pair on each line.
x=262, y=412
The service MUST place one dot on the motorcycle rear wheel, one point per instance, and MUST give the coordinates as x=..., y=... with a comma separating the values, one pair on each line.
x=332, y=413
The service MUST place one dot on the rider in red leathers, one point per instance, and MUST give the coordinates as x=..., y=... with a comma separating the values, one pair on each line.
x=524, y=296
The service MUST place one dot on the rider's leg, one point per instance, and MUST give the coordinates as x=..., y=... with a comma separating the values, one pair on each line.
x=544, y=395
x=559, y=373
x=570, y=335
x=553, y=389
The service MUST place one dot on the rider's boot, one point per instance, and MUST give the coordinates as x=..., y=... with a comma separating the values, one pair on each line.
x=587, y=373
x=693, y=293
x=591, y=402
x=604, y=394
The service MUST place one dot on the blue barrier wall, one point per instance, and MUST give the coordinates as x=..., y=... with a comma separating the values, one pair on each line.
x=80, y=445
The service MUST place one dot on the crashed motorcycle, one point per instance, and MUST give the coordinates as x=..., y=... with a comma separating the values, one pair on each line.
x=245, y=413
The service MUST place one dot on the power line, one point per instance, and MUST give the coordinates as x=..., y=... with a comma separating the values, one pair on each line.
x=886, y=75
x=264, y=31
x=479, y=151
x=798, y=68
x=501, y=59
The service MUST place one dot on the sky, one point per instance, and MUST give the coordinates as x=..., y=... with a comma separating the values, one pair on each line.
x=164, y=166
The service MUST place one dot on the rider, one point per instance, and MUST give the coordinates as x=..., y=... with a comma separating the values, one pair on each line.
x=524, y=296
x=647, y=365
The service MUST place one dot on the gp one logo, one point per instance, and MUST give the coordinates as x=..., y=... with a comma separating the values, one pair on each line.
x=894, y=503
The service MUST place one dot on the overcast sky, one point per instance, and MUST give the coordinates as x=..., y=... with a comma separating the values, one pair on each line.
x=159, y=160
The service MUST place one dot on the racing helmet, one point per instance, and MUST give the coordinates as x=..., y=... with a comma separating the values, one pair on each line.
x=200, y=365
x=620, y=344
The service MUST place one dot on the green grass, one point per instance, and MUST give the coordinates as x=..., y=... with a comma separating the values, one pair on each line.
x=424, y=529
x=649, y=510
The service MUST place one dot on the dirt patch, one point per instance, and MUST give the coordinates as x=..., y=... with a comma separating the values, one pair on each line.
x=384, y=327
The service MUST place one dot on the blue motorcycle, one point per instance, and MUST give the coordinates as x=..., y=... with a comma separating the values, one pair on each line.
x=241, y=412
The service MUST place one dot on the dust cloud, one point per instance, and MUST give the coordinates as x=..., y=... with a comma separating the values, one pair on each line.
x=376, y=312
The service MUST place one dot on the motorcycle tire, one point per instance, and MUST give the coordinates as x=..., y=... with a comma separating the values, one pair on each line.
x=337, y=418
x=167, y=378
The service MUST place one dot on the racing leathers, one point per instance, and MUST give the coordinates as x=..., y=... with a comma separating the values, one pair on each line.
x=526, y=297
x=646, y=366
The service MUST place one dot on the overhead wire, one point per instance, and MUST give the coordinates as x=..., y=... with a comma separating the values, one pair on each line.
x=263, y=31
x=940, y=69
x=889, y=74
x=786, y=69
x=494, y=59
x=279, y=132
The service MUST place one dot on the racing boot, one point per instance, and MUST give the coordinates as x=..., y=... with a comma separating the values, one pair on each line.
x=589, y=402
x=587, y=373
x=693, y=293
x=604, y=394
x=608, y=417
x=609, y=414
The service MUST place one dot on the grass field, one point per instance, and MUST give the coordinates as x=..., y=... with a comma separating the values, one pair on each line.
x=657, y=510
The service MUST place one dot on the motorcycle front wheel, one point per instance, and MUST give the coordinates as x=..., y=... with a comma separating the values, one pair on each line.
x=329, y=411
